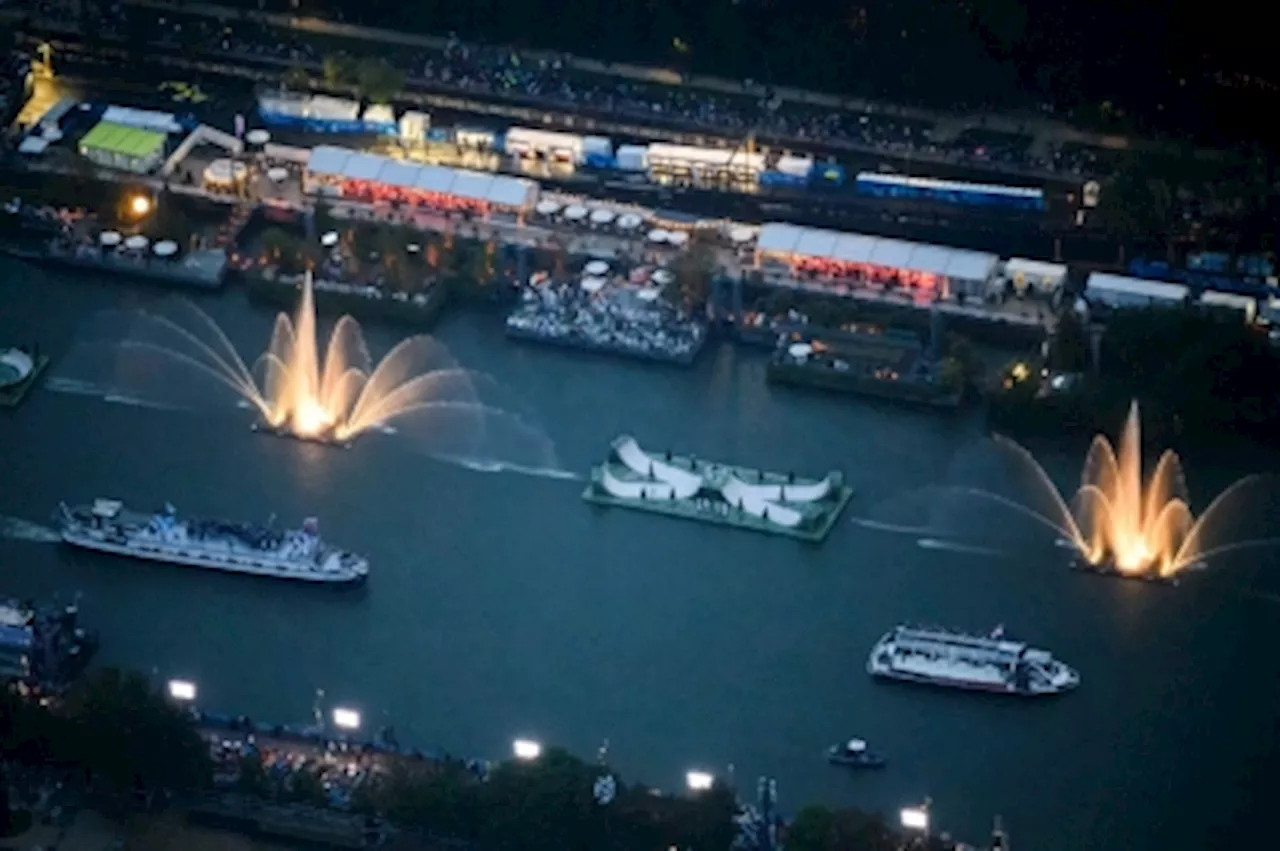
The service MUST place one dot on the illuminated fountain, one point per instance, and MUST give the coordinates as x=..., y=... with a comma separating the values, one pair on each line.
x=1120, y=524
x=417, y=391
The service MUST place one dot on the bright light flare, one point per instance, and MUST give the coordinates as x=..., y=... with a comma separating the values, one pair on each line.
x=699, y=781
x=338, y=393
x=346, y=719
x=914, y=818
x=310, y=419
x=139, y=205
x=526, y=749
x=1138, y=526
x=182, y=690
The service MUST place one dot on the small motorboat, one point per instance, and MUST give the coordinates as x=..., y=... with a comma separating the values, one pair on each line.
x=854, y=754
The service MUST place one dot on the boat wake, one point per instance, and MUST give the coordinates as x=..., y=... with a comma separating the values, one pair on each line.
x=17, y=529
x=956, y=547
x=480, y=466
x=74, y=387
x=877, y=526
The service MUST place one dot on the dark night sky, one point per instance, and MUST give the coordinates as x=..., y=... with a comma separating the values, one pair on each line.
x=1162, y=65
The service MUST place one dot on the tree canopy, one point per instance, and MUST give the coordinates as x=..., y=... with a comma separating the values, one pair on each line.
x=127, y=733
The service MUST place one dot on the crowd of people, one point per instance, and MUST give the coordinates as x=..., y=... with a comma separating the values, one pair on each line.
x=499, y=71
x=292, y=771
x=606, y=316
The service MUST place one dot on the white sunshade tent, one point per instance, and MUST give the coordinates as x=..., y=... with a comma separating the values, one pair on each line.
x=788, y=242
x=328, y=161
x=399, y=174
x=1123, y=291
x=142, y=119
x=1036, y=274
x=498, y=190
x=363, y=167
x=1246, y=305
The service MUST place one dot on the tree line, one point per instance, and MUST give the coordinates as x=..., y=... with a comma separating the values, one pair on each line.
x=128, y=740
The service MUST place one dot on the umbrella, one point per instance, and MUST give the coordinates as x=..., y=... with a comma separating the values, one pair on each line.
x=629, y=221
x=546, y=207
x=677, y=237
x=742, y=234
x=658, y=235
x=602, y=216
x=109, y=238
x=593, y=285
x=277, y=174
x=330, y=239
x=257, y=137
x=800, y=350
x=648, y=294
x=596, y=267
x=165, y=248
x=662, y=277
x=137, y=242
x=575, y=213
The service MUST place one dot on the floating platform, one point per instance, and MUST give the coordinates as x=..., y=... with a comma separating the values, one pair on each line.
x=729, y=495
x=1108, y=569
x=13, y=393
x=570, y=339
x=322, y=439
x=200, y=270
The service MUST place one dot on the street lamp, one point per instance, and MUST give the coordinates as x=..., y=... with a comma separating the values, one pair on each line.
x=139, y=205
x=346, y=719
x=183, y=691
x=526, y=749
x=699, y=781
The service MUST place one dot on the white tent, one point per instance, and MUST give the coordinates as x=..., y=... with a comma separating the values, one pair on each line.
x=495, y=190
x=1123, y=291
x=1246, y=305
x=962, y=269
x=142, y=119
x=1035, y=274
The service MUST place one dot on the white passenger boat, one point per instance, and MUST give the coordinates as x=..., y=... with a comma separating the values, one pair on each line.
x=107, y=526
x=991, y=663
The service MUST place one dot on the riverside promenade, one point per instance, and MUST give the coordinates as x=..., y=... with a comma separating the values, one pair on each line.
x=1044, y=128
x=577, y=115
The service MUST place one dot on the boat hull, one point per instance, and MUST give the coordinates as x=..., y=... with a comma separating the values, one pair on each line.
x=895, y=675
x=269, y=571
x=869, y=763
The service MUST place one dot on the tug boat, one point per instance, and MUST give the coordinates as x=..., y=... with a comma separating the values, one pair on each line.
x=299, y=554
x=854, y=754
x=990, y=663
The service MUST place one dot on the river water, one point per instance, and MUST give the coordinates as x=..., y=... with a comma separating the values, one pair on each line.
x=502, y=605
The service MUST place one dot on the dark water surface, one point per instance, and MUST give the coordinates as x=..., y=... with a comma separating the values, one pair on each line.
x=502, y=605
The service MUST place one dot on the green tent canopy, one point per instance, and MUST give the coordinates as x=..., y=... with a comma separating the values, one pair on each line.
x=121, y=146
